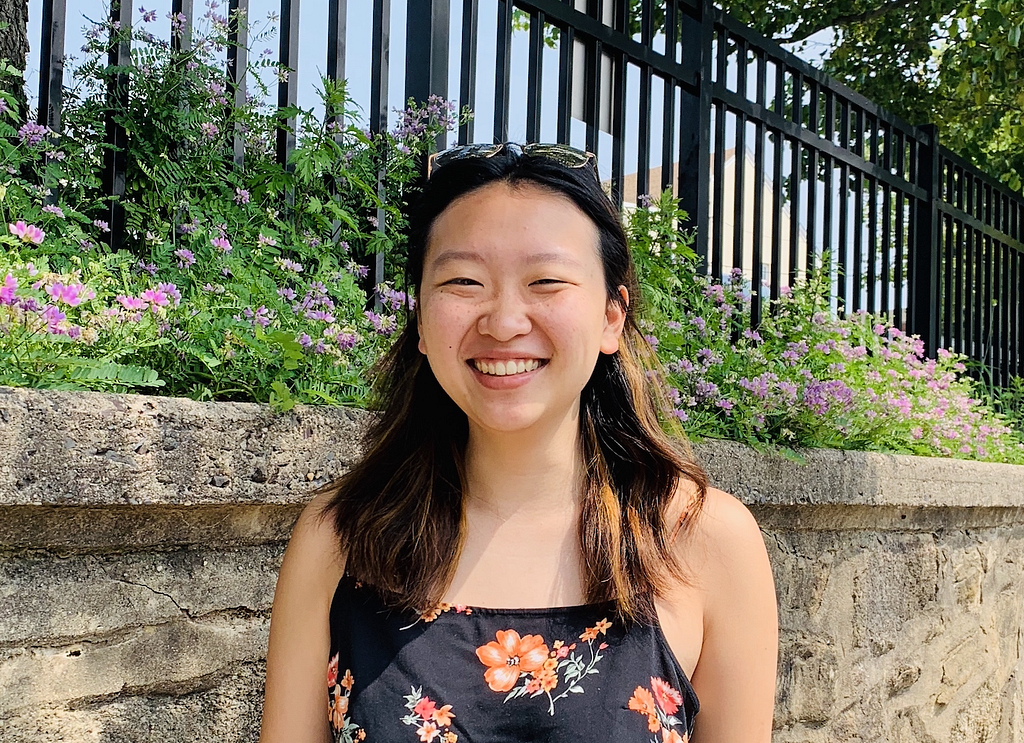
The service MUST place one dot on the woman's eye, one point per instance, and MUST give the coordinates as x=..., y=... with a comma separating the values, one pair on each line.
x=548, y=281
x=461, y=281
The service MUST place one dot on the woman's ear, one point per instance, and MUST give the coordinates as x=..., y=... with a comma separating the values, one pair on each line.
x=614, y=320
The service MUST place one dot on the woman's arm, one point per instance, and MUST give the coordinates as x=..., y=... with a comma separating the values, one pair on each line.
x=295, y=702
x=735, y=674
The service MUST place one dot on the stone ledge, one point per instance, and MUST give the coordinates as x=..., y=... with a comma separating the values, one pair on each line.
x=173, y=658
x=91, y=449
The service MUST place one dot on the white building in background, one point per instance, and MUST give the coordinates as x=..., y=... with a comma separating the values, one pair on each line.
x=629, y=190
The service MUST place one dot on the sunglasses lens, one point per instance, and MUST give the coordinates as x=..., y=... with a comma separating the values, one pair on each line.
x=564, y=155
x=561, y=154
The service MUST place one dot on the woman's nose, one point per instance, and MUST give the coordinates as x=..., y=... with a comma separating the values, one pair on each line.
x=505, y=318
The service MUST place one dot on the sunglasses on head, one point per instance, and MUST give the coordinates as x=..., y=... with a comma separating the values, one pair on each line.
x=562, y=154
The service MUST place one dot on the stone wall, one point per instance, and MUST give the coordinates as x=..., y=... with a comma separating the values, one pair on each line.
x=140, y=539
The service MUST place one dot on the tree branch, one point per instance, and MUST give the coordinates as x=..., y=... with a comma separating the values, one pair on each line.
x=803, y=32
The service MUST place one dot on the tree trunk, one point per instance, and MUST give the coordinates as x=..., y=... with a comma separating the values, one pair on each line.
x=14, y=48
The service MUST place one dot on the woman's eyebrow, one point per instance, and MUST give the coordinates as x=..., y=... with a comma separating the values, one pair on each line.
x=450, y=256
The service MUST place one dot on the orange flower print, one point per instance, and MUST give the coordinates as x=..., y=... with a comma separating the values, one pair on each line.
x=431, y=722
x=338, y=708
x=660, y=706
x=667, y=698
x=642, y=701
x=443, y=716
x=510, y=657
x=345, y=731
x=591, y=632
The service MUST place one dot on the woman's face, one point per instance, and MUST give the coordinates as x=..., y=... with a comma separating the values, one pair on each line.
x=513, y=310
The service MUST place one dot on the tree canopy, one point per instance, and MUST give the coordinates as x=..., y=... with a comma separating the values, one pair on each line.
x=956, y=63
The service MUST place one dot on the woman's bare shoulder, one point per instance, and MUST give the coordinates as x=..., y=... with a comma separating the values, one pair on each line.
x=721, y=543
x=314, y=549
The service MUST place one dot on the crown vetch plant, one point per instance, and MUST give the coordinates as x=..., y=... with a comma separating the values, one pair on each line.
x=237, y=281
x=804, y=377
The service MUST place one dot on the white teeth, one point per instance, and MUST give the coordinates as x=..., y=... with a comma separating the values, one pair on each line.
x=506, y=368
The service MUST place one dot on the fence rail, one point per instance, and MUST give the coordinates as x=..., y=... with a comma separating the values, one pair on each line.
x=778, y=165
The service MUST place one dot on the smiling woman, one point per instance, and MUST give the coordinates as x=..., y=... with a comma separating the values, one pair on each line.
x=523, y=553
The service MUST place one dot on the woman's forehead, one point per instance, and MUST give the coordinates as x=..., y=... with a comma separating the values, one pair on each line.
x=525, y=223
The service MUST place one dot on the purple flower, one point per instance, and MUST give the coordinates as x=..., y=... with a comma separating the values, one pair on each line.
x=149, y=268
x=209, y=129
x=27, y=232
x=7, y=289
x=305, y=341
x=357, y=270
x=185, y=257
x=288, y=265
x=54, y=210
x=156, y=298
x=171, y=291
x=131, y=303
x=383, y=324
x=705, y=390
x=241, y=196
x=820, y=396
x=148, y=16
x=319, y=315
x=52, y=315
x=70, y=294
x=222, y=244
x=32, y=133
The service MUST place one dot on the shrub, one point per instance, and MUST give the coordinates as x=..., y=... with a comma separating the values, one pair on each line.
x=236, y=281
x=804, y=377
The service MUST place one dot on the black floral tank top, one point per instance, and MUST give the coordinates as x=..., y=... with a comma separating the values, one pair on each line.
x=474, y=675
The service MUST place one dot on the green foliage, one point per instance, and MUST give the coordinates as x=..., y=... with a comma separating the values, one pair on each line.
x=237, y=281
x=804, y=377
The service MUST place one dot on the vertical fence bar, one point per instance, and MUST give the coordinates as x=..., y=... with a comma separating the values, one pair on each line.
x=566, y=46
x=701, y=78
x=181, y=25
x=858, y=210
x=237, y=66
x=740, y=165
x=619, y=96
x=923, y=268
x=757, y=251
x=717, y=250
x=503, y=63
x=378, y=113
x=842, y=260
x=115, y=161
x=535, y=77
x=467, y=79
x=426, y=53
x=51, y=60
x=796, y=179
x=643, y=175
x=886, y=307
x=812, y=178
x=668, y=126
x=337, y=32
x=827, y=191
x=287, y=88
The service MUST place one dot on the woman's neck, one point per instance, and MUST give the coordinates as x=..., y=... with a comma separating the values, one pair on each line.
x=524, y=474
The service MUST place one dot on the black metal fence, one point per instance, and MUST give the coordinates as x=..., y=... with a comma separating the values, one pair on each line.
x=779, y=166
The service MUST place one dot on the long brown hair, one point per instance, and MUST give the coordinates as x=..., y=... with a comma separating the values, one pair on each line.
x=399, y=513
